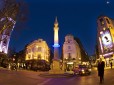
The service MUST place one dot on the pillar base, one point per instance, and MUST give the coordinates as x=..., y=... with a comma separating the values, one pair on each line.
x=56, y=68
x=56, y=72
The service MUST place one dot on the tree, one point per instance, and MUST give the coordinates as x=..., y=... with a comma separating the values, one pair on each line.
x=3, y=59
x=16, y=10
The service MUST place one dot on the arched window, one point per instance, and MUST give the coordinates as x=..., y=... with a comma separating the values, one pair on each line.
x=107, y=21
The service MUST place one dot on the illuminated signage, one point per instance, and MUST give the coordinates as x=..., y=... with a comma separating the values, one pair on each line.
x=107, y=41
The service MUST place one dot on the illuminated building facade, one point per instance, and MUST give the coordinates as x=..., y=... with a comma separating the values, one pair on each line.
x=71, y=52
x=38, y=50
x=105, y=38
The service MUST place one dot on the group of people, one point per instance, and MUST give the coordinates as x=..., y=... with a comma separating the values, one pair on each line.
x=12, y=66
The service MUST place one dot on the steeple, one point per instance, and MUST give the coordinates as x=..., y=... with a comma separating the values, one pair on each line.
x=56, y=22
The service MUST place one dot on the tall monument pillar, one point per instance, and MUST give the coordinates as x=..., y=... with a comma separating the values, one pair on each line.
x=56, y=66
x=56, y=40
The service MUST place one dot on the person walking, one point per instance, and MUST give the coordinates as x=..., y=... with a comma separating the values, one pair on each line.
x=111, y=64
x=100, y=67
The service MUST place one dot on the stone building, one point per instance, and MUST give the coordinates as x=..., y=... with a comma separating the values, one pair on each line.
x=105, y=39
x=37, y=55
x=38, y=50
x=71, y=53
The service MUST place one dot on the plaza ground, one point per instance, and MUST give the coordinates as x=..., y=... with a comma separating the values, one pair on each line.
x=24, y=77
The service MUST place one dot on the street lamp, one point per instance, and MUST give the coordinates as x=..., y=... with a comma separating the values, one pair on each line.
x=13, y=59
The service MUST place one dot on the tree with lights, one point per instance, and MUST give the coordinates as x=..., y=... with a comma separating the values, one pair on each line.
x=11, y=12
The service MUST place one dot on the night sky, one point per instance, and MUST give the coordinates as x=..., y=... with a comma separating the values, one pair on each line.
x=76, y=17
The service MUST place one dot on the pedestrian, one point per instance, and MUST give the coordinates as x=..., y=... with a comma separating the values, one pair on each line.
x=100, y=67
x=111, y=64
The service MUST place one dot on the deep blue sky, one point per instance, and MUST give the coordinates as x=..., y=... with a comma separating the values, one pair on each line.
x=76, y=17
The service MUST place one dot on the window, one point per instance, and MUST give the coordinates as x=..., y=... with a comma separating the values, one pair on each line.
x=101, y=21
x=107, y=21
x=39, y=48
x=39, y=57
x=69, y=47
x=74, y=58
x=33, y=49
x=29, y=56
x=104, y=28
x=69, y=56
x=110, y=27
x=29, y=50
x=68, y=40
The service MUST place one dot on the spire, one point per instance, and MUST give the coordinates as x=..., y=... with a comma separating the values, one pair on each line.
x=56, y=22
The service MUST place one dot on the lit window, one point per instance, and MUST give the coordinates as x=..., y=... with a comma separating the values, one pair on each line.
x=33, y=49
x=29, y=56
x=101, y=21
x=104, y=28
x=39, y=57
x=101, y=32
x=29, y=51
x=110, y=27
x=39, y=48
